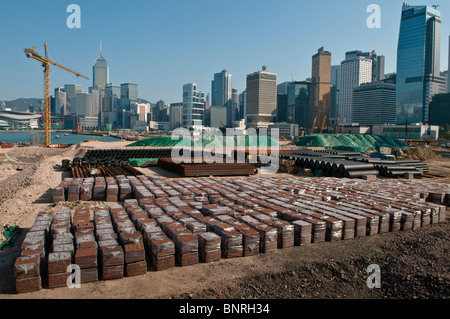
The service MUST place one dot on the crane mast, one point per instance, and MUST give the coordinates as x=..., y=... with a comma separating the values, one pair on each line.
x=31, y=53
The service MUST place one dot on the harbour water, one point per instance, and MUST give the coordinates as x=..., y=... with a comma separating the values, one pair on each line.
x=24, y=137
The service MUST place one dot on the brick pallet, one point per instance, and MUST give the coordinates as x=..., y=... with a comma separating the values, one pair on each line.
x=187, y=221
x=30, y=266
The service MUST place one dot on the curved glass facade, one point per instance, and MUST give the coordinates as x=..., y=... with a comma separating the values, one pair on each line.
x=417, y=58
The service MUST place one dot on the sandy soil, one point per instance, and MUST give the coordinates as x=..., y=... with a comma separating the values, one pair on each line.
x=413, y=264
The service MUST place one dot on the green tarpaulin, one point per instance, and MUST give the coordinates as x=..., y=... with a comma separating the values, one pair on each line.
x=207, y=142
x=350, y=142
x=163, y=142
x=138, y=162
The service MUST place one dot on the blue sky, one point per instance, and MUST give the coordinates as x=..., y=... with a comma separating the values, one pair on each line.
x=163, y=44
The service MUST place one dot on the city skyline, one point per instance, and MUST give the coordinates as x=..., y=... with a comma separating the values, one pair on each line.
x=160, y=57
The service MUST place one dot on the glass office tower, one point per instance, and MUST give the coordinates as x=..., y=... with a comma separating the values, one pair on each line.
x=221, y=91
x=418, y=62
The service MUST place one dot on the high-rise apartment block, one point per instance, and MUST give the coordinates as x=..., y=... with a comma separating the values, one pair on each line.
x=418, y=63
x=176, y=115
x=320, y=86
x=378, y=62
x=354, y=72
x=261, y=96
x=193, y=106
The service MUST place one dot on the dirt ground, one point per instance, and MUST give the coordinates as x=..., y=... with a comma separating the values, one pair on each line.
x=413, y=264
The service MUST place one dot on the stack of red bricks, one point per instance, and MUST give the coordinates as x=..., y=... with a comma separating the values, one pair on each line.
x=209, y=247
x=73, y=190
x=112, y=189
x=29, y=267
x=250, y=237
x=131, y=241
x=86, y=189
x=86, y=245
x=59, y=192
x=186, y=244
x=160, y=248
x=99, y=190
x=125, y=190
x=62, y=251
x=111, y=257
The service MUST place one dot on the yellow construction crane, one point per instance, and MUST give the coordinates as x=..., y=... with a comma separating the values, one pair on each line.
x=31, y=53
x=343, y=123
x=337, y=124
x=323, y=124
x=313, y=126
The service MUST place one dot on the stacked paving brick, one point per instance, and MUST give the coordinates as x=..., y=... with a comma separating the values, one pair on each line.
x=99, y=189
x=86, y=189
x=111, y=257
x=186, y=221
x=59, y=193
x=112, y=189
x=30, y=265
x=86, y=245
x=130, y=239
x=62, y=249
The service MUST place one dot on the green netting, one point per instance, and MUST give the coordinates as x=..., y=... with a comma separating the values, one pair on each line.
x=138, y=162
x=163, y=142
x=350, y=142
x=240, y=141
x=208, y=142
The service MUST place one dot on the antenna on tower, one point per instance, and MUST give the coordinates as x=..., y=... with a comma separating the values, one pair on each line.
x=435, y=6
x=101, y=48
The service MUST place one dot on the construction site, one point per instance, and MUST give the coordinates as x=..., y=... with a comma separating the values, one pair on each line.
x=140, y=223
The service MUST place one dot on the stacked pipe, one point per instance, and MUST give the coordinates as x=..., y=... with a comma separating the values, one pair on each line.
x=117, y=156
x=333, y=167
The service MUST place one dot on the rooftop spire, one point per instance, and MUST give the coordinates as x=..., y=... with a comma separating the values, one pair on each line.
x=101, y=48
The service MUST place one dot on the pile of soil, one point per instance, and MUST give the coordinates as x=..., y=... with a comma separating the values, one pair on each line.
x=413, y=265
x=420, y=153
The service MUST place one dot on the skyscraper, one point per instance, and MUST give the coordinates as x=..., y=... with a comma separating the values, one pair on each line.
x=193, y=106
x=233, y=108
x=320, y=86
x=61, y=102
x=374, y=104
x=448, y=75
x=100, y=71
x=418, y=62
x=261, y=96
x=354, y=72
x=71, y=92
x=221, y=90
x=129, y=91
x=378, y=62
x=334, y=93
x=243, y=105
x=176, y=115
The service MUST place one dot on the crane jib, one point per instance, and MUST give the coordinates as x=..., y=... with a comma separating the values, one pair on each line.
x=30, y=53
